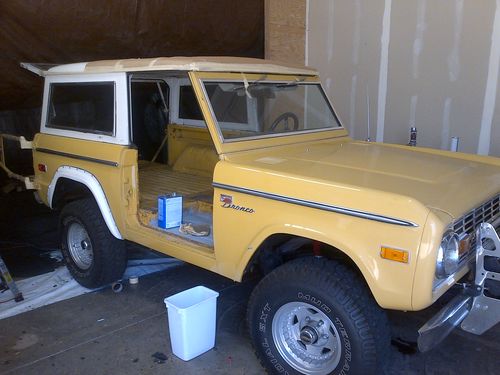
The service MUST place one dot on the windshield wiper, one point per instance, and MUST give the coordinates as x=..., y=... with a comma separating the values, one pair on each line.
x=249, y=85
x=291, y=83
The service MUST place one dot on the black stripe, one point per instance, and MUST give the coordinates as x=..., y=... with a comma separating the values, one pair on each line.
x=79, y=157
x=321, y=206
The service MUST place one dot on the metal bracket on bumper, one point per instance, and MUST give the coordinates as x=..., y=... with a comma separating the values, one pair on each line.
x=477, y=308
x=24, y=145
x=485, y=311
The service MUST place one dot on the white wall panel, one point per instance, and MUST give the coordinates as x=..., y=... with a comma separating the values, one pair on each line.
x=435, y=64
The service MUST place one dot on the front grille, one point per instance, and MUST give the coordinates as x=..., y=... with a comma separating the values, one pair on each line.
x=486, y=213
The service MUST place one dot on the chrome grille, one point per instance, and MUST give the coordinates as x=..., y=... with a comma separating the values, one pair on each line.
x=486, y=213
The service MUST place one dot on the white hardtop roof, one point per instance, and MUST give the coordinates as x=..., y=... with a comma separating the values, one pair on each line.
x=204, y=64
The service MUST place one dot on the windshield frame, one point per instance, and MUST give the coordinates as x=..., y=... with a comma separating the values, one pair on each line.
x=224, y=145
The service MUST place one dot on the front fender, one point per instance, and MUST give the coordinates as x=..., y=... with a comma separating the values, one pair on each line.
x=390, y=282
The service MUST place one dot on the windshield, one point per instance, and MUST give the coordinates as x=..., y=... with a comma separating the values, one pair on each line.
x=263, y=109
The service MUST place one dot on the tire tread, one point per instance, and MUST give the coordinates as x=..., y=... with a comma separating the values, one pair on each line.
x=111, y=252
x=349, y=290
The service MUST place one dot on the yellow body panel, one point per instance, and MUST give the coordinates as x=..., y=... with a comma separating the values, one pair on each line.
x=239, y=234
x=120, y=185
x=191, y=150
x=399, y=182
x=110, y=177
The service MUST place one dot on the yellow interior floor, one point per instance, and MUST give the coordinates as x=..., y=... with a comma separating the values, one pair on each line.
x=157, y=179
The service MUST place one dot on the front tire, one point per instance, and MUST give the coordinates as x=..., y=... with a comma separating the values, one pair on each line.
x=315, y=316
x=92, y=254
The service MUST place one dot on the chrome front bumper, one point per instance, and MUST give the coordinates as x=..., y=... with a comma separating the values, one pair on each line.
x=476, y=309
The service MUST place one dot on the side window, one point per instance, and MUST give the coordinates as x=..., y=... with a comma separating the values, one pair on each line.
x=188, y=105
x=83, y=106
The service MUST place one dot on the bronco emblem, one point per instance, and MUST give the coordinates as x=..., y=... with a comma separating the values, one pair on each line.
x=227, y=202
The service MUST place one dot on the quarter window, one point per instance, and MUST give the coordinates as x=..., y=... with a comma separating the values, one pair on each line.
x=84, y=106
x=188, y=105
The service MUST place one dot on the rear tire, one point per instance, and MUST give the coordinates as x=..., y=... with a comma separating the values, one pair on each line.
x=92, y=254
x=315, y=316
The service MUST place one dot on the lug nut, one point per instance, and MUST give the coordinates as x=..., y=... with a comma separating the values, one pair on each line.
x=320, y=323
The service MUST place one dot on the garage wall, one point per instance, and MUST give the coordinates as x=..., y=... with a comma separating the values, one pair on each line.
x=66, y=31
x=285, y=29
x=429, y=64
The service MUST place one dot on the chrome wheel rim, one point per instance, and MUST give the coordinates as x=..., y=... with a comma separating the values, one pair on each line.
x=80, y=246
x=306, y=338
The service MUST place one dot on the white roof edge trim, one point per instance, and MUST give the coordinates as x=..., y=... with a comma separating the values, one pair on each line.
x=194, y=64
x=69, y=68
x=33, y=68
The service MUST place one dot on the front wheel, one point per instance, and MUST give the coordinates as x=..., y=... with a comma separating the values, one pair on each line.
x=314, y=316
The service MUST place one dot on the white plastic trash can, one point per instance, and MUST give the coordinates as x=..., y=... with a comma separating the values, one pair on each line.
x=191, y=321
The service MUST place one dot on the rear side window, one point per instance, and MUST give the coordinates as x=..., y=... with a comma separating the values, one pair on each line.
x=84, y=106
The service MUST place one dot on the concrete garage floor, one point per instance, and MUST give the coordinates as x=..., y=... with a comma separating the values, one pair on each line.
x=110, y=333
x=107, y=333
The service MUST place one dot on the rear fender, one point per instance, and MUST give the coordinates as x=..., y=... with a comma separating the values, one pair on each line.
x=91, y=182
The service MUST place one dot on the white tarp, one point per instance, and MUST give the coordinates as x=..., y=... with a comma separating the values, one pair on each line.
x=58, y=285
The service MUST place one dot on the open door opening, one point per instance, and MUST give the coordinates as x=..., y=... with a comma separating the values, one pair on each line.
x=176, y=155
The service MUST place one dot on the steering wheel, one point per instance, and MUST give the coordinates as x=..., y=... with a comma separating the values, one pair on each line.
x=285, y=117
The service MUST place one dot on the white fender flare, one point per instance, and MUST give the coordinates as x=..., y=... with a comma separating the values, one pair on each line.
x=91, y=182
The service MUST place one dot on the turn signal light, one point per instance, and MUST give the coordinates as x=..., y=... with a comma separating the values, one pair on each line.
x=42, y=167
x=394, y=254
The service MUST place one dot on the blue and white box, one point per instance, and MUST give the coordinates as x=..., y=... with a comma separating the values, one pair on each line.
x=169, y=211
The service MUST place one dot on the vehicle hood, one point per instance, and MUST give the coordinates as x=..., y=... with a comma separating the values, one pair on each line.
x=368, y=176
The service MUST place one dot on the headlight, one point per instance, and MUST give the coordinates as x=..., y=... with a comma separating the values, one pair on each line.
x=448, y=257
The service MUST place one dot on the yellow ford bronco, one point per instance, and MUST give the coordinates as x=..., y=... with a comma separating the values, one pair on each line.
x=271, y=184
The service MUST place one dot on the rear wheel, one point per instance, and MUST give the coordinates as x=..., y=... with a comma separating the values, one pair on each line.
x=92, y=254
x=314, y=316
